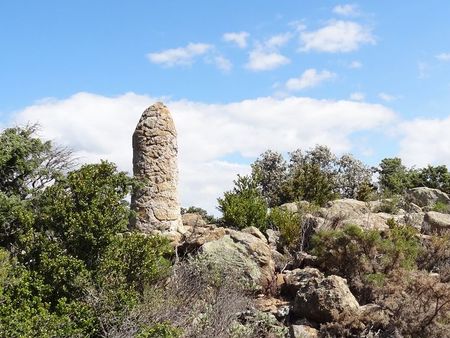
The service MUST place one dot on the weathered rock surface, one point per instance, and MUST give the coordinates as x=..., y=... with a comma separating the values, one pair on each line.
x=303, y=331
x=244, y=251
x=427, y=197
x=319, y=298
x=155, y=165
x=435, y=222
x=349, y=211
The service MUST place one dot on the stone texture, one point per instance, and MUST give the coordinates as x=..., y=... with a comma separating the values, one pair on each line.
x=426, y=197
x=342, y=212
x=320, y=298
x=240, y=250
x=435, y=222
x=155, y=165
x=303, y=331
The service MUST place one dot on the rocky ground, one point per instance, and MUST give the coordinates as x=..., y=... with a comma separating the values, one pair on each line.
x=291, y=291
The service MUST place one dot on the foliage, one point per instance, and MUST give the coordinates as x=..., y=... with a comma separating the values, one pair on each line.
x=435, y=256
x=135, y=260
x=295, y=228
x=353, y=178
x=419, y=305
x=390, y=205
x=313, y=175
x=365, y=256
x=441, y=207
x=393, y=176
x=270, y=172
x=28, y=164
x=288, y=223
x=160, y=330
x=244, y=206
x=64, y=262
x=200, y=299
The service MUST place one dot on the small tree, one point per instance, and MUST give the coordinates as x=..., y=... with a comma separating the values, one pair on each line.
x=313, y=175
x=244, y=206
x=394, y=178
x=270, y=172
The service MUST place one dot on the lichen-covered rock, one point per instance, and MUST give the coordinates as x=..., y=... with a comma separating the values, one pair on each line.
x=435, y=222
x=255, y=232
x=320, y=298
x=349, y=211
x=155, y=165
x=427, y=197
x=242, y=251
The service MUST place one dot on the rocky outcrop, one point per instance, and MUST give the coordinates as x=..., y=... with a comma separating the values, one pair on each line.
x=427, y=197
x=349, y=211
x=245, y=252
x=320, y=298
x=155, y=165
x=435, y=222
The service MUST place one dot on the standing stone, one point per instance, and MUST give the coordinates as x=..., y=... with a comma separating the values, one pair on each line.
x=155, y=165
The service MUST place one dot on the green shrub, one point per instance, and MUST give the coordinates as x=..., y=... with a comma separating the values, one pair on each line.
x=161, y=330
x=244, y=206
x=365, y=257
x=288, y=223
x=390, y=205
x=441, y=207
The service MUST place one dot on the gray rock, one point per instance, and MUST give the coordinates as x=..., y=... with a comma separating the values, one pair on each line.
x=426, y=197
x=319, y=298
x=155, y=165
x=255, y=232
x=303, y=331
x=273, y=238
x=343, y=212
x=242, y=251
x=435, y=222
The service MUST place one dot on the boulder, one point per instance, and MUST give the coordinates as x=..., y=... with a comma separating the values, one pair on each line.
x=255, y=232
x=435, y=222
x=343, y=212
x=242, y=251
x=320, y=298
x=303, y=331
x=192, y=220
x=273, y=238
x=426, y=197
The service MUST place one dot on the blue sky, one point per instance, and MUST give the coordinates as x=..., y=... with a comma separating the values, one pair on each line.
x=367, y=77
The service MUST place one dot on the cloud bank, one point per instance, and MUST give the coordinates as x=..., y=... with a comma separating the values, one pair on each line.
x=216, y=141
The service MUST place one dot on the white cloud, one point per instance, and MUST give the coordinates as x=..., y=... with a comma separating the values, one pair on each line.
x=260, y=60
x=387, y=97
x=336, y=36
x=443, y=57
x=357, y=96
x=222, y=63
x=179, y=56
x=279, y=40
x=310, y=78
x=240, y=38
x=98, y=127
x=425, y=141
x=346, y=10
x=355, y=65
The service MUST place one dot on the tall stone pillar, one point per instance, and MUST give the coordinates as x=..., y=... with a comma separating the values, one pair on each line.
x=155, y=165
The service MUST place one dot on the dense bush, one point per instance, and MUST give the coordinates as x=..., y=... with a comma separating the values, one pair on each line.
x=64, y=263
x=244, y=206
x=366, y=257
